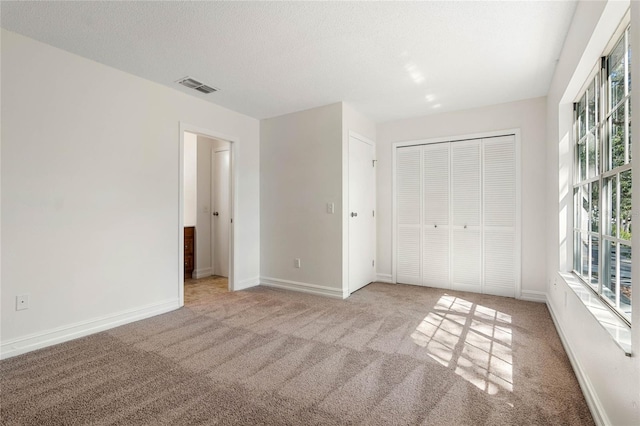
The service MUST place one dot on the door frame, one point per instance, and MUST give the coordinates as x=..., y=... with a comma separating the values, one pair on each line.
x=458, y=138
x=346, y=211
x=234, y=148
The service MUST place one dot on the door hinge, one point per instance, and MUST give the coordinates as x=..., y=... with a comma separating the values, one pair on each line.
x=232, y=220
x=373, y=263
x=373, y=163
x=374, y=213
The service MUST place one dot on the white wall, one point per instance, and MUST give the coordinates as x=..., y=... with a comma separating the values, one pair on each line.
x=90, y=183
x=189, y=184
x=354, y=121
x=610, y=380
x=300, y=172
x=529, y=117
x=203, y=223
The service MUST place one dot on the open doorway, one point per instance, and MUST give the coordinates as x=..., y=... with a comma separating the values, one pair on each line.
x=207, y=201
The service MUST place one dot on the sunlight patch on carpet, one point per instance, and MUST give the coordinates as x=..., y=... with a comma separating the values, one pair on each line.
x=473, y=340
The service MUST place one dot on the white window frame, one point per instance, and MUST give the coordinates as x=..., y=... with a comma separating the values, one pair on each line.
x=602, y=131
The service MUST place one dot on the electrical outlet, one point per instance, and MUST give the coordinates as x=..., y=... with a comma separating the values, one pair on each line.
x=296, y=262
x=331, y=208
x=22, y=302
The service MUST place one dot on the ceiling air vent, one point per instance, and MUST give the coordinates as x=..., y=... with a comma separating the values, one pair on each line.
x=206, y=89
x=192, y=83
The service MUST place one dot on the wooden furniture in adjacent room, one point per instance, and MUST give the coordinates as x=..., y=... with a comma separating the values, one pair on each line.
x=189, y=251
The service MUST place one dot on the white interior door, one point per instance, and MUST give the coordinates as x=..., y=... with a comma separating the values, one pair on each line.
x=466, y=193
x=361, y=214
x=408, y=215
x=457, y=215
x=436, y=229
x=221, y=213
x=499, y=211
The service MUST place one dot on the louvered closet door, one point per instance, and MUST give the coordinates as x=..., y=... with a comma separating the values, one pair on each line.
x=435, y=256
x=499, y=189
x=466, y=261
x=408, y=212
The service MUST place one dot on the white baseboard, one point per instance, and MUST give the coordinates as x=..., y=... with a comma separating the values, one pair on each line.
x=242, y=285
x=499, y=291
x=384, y=278
x=62, y=334
x=203, y=272
x=302, y=287
x=595, y=406
x=533, y=296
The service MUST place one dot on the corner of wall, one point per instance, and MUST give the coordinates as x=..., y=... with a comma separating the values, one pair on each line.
x=293, y=214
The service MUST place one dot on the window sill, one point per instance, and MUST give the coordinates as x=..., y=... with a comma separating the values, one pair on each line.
x=617, y=328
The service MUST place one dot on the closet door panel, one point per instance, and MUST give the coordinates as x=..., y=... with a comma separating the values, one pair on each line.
x=409, y=254
x=435, y=259
x=408, y=176
x=499, y=182
x=499, y=263
x=499, y=211
x=466, y=261
x=465, y=183
x=408, y=214
x=436, y=184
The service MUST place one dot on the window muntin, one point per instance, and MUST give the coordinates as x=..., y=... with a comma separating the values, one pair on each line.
x=602, y=182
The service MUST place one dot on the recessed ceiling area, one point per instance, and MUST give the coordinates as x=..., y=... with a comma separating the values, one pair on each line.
x=389, y=60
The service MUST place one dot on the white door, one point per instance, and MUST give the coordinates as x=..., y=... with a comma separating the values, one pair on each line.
x=408, y=211
x=221, y=213
x=361, y=214
x=466, y=193
x=456, y=215
x=436, y=227
x=499, y=212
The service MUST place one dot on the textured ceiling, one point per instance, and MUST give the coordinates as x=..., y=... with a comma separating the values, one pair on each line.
x=389, y=60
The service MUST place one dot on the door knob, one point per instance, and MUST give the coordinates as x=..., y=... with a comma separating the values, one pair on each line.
x=215, y=213
x=354, y=214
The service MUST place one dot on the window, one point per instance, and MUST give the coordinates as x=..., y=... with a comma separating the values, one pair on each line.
x=602, y=180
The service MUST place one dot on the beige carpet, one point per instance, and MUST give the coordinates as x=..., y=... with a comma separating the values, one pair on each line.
x=388, y=355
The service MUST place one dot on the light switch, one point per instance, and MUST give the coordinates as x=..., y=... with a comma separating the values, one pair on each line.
x=330, y=208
